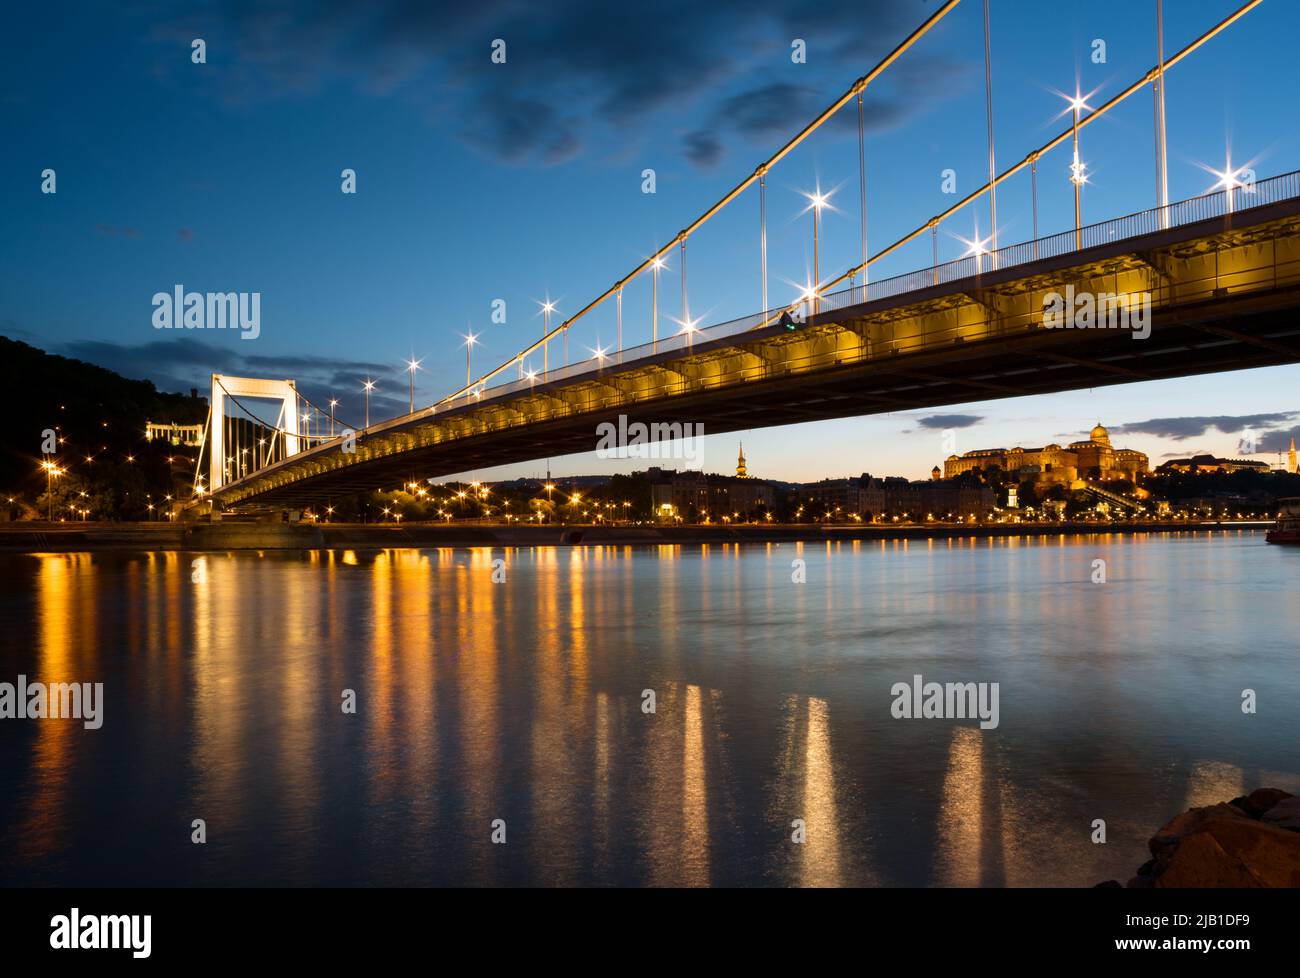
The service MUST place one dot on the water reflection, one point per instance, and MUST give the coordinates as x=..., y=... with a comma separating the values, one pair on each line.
x=512, y=685
x=61, y=606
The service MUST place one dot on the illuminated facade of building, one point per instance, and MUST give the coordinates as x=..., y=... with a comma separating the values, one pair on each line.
x=1094, y=459
x=896, y=496
x=1208, y=463
x=693, y=494
x=190, y=435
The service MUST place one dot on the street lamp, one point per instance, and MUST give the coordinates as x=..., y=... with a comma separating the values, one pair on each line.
x=816, y=201
x=655, y=265
x=807, y=297
x=470, y=339
x=52, y=471
x=411, y=366
x=333, y=404
x=548, y=307
x=976, y=248
x=368, y=386
x=1077, y=177
x=1229, y=182
x=689, y=328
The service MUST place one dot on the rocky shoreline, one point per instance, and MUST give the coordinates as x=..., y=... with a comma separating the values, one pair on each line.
x=1252, y=841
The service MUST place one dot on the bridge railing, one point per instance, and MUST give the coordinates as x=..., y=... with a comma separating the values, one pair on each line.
x=674, y=342
x=1272, y=190
x=1183, y=212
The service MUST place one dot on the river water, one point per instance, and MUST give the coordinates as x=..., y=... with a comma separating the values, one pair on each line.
x=505, y=691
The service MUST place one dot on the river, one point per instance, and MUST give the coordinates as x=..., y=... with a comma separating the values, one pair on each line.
x=508, y=693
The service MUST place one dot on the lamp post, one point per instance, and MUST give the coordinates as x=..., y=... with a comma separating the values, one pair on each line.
x=656, y=265
x=1229, y=182
x=977, y=249
x=368, y=386
x=1162, y=171
x=548, y=307
x=411, y=366
x=1076, y=168
x=333, y=404
x=51, y=472
x=689, y=328
x=470, y=340
x=816, y=201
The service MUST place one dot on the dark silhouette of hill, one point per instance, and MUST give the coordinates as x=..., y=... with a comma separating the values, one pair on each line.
x=96, y=413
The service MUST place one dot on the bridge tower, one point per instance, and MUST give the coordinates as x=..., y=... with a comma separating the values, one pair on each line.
x=226, y=387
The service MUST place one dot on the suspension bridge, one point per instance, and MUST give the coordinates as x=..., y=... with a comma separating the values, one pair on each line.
x=1217, y=276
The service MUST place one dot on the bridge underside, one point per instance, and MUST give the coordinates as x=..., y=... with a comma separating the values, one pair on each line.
x=1224, y=296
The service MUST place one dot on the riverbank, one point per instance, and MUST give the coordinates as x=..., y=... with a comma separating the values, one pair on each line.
x=39, y=537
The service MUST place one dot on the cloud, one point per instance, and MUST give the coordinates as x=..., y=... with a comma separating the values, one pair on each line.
x=108, y=231
x=703, y=148
x=941, y=421
x=1198, y=426
x=185, y=234
x=575, y=73
x=769, y=113
x=1278, y=440
x=516, y=129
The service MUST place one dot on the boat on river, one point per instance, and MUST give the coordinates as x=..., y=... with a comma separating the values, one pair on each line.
x=1287, y=527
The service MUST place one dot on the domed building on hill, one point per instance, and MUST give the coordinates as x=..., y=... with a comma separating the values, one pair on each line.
x=1093, y=460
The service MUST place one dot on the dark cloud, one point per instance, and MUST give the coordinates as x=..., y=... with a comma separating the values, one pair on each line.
x=703, y=148
x=575, y=72
x=108, y=231
x=941, y=421
x=1277, y=440
x=1196, y=427
x=185, y=234
x=517, y=129
x=769, y=113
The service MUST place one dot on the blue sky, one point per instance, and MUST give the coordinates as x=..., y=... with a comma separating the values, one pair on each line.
x=480, y=181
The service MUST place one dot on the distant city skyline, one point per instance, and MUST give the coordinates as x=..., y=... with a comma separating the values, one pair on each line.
x=523, y=181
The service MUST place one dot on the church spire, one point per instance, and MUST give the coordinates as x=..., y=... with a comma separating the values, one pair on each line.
x=740, y=463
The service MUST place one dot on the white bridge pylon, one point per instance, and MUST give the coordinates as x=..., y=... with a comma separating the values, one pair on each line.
x=225, y=386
